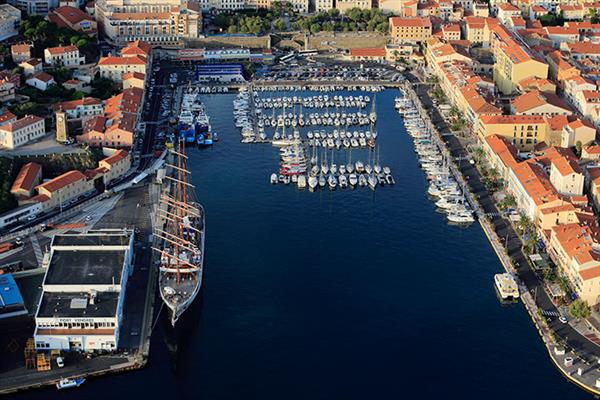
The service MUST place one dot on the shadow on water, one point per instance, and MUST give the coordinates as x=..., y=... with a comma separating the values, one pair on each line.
x=179, y=339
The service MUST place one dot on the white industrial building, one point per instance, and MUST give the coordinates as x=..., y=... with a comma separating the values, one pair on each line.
x=81, y=307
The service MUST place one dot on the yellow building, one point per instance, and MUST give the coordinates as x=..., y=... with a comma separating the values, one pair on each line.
x=345, y=5
x=524, y=131
x=514, y=61
x=413, y=30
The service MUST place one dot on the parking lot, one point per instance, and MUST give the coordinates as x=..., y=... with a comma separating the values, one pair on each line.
x=327, y=72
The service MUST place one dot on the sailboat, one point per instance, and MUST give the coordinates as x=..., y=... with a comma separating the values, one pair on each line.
x=377, y=166
x=350, y=165
x=373, y=114
x=181, y=233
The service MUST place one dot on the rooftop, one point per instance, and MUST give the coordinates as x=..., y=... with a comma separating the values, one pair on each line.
x=21, y=123
x=77, y=305
x=88, y=267
x=26, y=177
x=61, y=181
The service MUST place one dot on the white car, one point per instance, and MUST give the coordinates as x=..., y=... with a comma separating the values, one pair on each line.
x=88, y=218
x=31, y=217
x=563, y=319
x=60, y=362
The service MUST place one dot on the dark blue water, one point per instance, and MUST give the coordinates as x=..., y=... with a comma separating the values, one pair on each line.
x=338, y=295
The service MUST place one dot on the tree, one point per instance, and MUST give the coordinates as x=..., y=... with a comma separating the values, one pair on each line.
x=580, y=309
x=578, y=146
x=279, y=24
x=315, y=28
x=525, y=224
x=478, y=154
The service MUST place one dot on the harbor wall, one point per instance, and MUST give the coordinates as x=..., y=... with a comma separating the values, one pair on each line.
x=345, y=40
x=233, y=41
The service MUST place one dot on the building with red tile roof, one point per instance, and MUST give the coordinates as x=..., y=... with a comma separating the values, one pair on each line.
x=29, y=176
x=573, y=247
x=410, y=29
x=368, y=54
x=535, y=102
x=22, y=131
x=73, y=18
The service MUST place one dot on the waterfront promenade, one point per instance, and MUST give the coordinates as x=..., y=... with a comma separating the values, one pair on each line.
x=572, y=353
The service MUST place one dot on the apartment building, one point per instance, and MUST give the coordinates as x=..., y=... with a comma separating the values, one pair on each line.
x=524, y=131
x=345, y=5
x=320, y=5
x=35, y=7
x=410, y=29
x=535, y=102
x=116, y=127
x=574, y=248
x=532, y=189
x=158, y=22
x=20, y=52
x=65, y=56
x=84, y=108
x=514, y=61
x=22, y=131
x=113, y=68
x=10, y=19
x=501, y=154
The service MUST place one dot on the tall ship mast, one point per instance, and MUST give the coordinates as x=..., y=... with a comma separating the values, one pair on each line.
x=180, y=237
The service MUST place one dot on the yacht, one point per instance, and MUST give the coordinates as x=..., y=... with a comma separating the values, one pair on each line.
x=301, y=181
x=362, y=181
x=313, y=181
x=322, y=181
x=507, y=286
x=353, y=179
x=274, y=178
x=343, y=181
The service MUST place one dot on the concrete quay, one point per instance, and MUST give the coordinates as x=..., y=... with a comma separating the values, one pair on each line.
x=134, y=210
x=573, y=353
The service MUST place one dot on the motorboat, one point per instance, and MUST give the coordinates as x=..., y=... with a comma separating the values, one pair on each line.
x=68, y=383
x=274, y=178
x=353, y=179
x=332, y=181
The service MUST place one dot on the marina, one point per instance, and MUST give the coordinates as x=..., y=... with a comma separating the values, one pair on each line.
x=307, y=157
x=267, y=316
x=443, y=188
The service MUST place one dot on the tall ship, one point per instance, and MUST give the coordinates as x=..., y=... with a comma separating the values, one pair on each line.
x=180, y=236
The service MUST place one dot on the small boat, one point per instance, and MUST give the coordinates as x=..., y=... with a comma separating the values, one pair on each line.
x=389, y=180
x=274, y=178
x=67, y=383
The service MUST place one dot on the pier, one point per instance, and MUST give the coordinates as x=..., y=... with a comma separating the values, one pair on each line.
x=438, y=139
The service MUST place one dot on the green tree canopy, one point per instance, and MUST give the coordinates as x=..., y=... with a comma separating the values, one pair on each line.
x=580, y=309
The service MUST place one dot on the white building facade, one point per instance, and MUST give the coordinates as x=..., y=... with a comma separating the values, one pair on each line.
x=81, y=307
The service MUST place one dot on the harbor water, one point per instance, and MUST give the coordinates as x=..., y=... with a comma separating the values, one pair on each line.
x=346, y=294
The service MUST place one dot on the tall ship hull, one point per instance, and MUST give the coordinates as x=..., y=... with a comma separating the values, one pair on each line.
x=180, y=238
